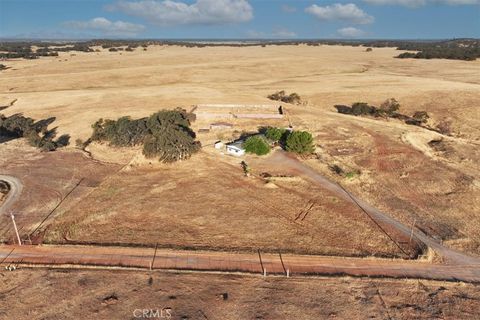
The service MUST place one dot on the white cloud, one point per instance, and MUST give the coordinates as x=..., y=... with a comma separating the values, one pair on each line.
x=288, y=9
x=107, y=27
x=168, y=12
x=420, y=3
x=344, y=12
x=351, y=32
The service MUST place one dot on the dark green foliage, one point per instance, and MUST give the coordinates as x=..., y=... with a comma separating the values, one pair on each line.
x=388, y=108
x=369, y=50
x=123, y=132
x=3, y=67
x=293, y=98
x=442, y=52
x=257, y=145
x=165, y=134
x=275, y=134
x=171, y=138
x=36, y=133
x=300, y=142
x=362, y=108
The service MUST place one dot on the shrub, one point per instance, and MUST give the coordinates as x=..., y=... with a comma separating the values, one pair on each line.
x=421, y=116
x=300, y=142
x=389, y=107
x=79, y=143
x=445, y=127
x=256, y=145
x=352, y=174
x=369, y=50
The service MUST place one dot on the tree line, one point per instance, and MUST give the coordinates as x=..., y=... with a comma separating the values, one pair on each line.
x=299, y=142
x=389, y=109
x=463, y=49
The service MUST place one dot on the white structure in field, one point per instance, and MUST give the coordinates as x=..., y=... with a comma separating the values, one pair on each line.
x=236, y=148
x=218, y=145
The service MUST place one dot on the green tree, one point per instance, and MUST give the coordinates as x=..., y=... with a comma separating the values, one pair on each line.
x=256, y=145
x=275, y=134
x=300, y=142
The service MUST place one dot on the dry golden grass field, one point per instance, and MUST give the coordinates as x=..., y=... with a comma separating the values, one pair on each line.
x=206, y=202
x=97, y=294
x=115, y=196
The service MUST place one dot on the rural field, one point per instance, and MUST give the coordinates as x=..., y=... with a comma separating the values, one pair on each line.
x=428, y=181
x=117, y=295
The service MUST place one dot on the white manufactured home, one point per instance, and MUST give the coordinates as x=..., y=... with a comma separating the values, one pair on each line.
x=236, y=148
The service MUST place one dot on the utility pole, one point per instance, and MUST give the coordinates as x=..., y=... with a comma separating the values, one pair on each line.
x=16, y=230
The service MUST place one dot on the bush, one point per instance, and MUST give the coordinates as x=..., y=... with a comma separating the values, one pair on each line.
x=256, y=145
x=275, y=134
x=421, y=116
x=362, y=108
x=300, y=142
x=445, y=127
x=389, y=107
x=293, y=98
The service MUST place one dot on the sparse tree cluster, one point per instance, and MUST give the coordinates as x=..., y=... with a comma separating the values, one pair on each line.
x=165, y=134
x=388, y=108
x=292, y=98
x=299, y=142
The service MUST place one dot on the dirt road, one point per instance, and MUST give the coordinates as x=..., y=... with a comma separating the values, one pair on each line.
x=14, y=193
x=449, y=256
x=234, y=262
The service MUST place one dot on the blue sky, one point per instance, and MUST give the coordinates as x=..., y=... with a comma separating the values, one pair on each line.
x=285, y=19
